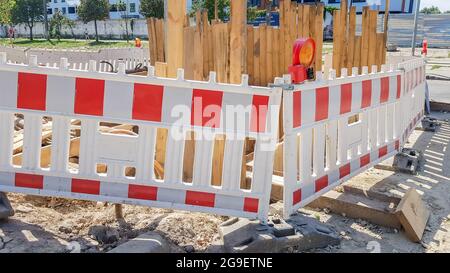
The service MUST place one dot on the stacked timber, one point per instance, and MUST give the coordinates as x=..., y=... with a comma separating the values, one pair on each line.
x=351, y=49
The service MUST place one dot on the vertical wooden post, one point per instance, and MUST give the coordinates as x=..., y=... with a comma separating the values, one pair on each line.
x=216, y=10
x=318, y=33
x=175, y=20
x=351, y=39
x=365, y=38
x=373, y=16
x=385, y=33
x=238, y=40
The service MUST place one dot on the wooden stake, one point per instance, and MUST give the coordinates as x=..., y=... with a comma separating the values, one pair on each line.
x=175, y=20
x=238, y=39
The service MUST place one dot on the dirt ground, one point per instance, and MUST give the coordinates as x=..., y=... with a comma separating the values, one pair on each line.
x=46, y=225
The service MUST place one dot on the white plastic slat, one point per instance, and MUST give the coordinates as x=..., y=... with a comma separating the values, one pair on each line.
x=174, y=159
x=342, y=140
x=305, y=152
x=6, y=139
x=146, y=153
x=60, y=144
x=203, y=162
x=87, y=162
x=332, y=139
x=232, y=164
x=31, y=141
x=319, y=150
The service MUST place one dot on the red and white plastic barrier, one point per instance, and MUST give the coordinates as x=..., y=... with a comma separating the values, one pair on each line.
x=323, y=148
x=150, y=103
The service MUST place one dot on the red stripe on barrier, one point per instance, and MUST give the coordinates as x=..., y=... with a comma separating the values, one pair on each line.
x=322, y=101
x=296, y=197
x=89, y=96
x=258, y=120
x=364, y=160
x=321, y=183
x=147, y=102
x=206, y=108
x=382, y=151
x=203, y=199
x=85, y=186
x=346, y=98
x=366, y=100
x=31, y=91
x=29, y=181
x=399, y=86
x=297, y=105
x=251, y=204
x=142, y=192
x=344, y=171
x=384, y=96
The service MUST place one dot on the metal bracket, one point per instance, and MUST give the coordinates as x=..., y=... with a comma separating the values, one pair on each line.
x=284, y=86
x=408, y=161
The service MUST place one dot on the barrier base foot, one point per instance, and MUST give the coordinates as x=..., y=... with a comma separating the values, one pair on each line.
x=299, y=232
x=430, y=124
x=5, y=207
x=408, y=161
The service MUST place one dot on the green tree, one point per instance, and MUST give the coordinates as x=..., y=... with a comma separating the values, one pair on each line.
x=223, y=7
x=431, y=10
x=27, y=12
x=6, y=7
x=93, y=10
x=152, y=8
x=57, y=23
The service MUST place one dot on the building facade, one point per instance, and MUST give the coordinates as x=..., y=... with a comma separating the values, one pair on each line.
x=69, y=9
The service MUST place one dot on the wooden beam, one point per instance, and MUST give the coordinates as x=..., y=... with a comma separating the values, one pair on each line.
x=175, y=20
x=238, y=40
x=351, y=39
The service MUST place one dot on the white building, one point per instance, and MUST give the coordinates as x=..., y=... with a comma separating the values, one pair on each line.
x=396, y=6
x=69, y=8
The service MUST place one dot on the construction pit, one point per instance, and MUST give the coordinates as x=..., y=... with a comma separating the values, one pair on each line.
x=365, y=214
x=61, y=225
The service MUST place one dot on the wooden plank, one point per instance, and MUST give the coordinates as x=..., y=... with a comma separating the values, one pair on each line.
x=161, y=69
x=238, y=38
x=373, y=14
x=343, y=35
x=276, y=53
x=269, y=55
x=257, y=53
x=318, y=34
x=160, y=40
x=175, y=20
x=220, y=44
x=152, y=40
x=365, y=37
x=198, y=49
x=351, y=38
x=263, y=55
x=205, y=44
x=250, y=55
x=413, y=215
x=358, y=207
x=305, y=21
x=336, y=41
x=379, y=50
x=189, y=46
x=218, y=159
x=385, y=30
x=357, y=53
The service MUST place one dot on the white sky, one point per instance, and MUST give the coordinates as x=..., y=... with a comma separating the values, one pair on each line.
x=443, y=5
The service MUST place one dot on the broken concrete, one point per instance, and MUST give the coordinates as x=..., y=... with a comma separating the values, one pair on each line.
x=300, y=232
x=150, y=242
x=5, y=207
x=408, y=161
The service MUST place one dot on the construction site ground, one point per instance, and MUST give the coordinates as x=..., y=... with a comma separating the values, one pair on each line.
x=52, y=225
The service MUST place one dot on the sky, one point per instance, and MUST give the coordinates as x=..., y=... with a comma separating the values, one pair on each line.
x=443, y=5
